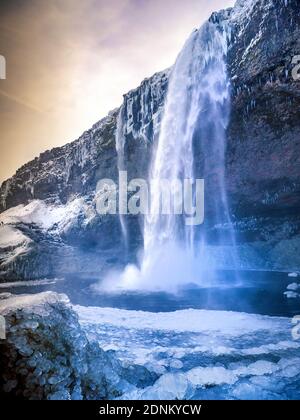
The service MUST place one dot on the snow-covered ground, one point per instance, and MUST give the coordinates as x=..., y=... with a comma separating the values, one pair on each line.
x=202, y=354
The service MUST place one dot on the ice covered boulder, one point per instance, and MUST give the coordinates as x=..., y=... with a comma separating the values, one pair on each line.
x=46, y=354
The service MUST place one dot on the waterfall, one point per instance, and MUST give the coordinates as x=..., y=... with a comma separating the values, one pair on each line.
x=198, y=81
x=195, y=117
x=120, y=147
x=194, y=123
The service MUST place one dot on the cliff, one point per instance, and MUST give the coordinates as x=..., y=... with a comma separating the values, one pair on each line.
x=262, y=162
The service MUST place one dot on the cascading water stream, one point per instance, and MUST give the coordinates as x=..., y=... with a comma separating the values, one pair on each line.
x=195, y=118
x=120, y=147
x=196, y=114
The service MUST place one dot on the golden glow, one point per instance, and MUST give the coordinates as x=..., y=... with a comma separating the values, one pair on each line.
x=69, y=62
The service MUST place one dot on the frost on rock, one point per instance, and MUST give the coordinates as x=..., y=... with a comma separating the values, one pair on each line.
x=242, y=9
x=10, y=237
x=47, y=356
x=142, y=108
x=29, y=233
x=46, y=216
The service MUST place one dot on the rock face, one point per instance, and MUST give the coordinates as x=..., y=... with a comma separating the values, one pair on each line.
x=77, y=239
x=46, y=355
x=63, y=173
x=262, y=160
x=263, y=156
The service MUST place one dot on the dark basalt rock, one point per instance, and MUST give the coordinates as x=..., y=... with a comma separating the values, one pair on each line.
x=263, y=157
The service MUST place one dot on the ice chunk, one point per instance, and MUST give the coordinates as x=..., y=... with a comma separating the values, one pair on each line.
x=291, y=295
x=169, y=387
x=261, y=367
x=211, y=376
x=176, y=364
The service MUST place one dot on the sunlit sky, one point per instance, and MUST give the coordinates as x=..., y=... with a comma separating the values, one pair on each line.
x=70, y=61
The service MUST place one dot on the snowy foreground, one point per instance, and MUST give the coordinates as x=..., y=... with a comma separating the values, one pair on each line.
x=53, y=350
x=201, y=354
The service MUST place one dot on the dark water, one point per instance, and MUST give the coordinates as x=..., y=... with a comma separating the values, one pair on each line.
x=256, y=292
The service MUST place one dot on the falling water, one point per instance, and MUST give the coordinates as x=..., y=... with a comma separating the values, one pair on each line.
x=195, y=117
x=120, y=147
x=194, y=123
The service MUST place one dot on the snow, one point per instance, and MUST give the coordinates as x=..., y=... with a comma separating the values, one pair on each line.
x=35, y=212
x=12, y=243
x=240, y=16
x=191, y=320
x=48, y=216
x=242, y=9
x=10, y=237
x=252, y=44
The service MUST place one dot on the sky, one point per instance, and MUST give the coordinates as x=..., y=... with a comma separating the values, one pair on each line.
x=69, y=62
